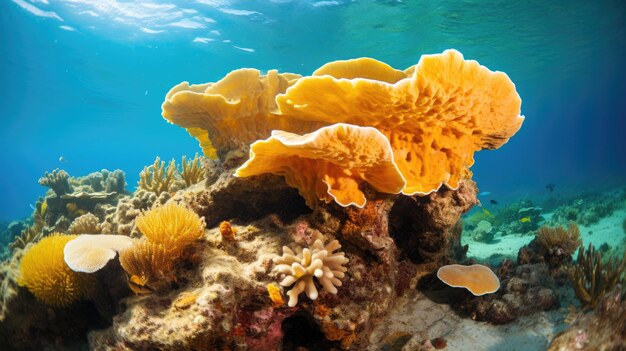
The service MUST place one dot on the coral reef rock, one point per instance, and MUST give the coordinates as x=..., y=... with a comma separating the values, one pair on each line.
x=604, y=328
x=220, y=297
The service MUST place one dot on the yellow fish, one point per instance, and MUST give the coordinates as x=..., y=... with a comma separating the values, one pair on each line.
x=138, y=285
x=487, y=212
x=44, y=207
x=525, y=219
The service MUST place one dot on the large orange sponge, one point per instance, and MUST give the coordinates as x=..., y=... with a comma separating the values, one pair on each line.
x=230, y=113
x=328, y=164
x=44, y=273
x=443, y=110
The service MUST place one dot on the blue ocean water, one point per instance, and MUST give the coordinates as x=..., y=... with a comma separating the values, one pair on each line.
x=84, y=80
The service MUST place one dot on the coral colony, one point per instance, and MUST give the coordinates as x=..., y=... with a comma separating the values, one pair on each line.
x=347, y=185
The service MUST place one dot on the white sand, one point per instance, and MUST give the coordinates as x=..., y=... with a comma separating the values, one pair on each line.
x=423, y=318
x=608, y=230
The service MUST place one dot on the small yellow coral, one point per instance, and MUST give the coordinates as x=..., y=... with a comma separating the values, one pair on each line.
x=44, y=273
x=172, y=225
x=149, y=263
x=227, y=231
x=274, y=292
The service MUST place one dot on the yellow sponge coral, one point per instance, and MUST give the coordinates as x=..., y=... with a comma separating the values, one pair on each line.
x=435, y=119
x=435, y=114
x=230, y=113
x=172, y=225
x=328, y=164
x=44, y=273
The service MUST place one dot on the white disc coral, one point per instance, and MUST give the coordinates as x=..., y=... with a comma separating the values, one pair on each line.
x=89, y=253
x=317, y=261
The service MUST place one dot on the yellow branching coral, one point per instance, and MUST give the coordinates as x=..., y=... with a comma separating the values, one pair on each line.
x=157, y=178
x=192, y=171
x=44, y=273
x=230, y=113
x=319, y=261
x=172, y=225
x=328, y=164
x=435, y=118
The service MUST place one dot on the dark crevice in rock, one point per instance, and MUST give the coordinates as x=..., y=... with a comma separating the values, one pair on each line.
x=301, y=331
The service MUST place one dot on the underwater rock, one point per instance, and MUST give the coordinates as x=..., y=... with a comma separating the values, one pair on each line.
x=604, y=328
x=483, y=232
x=426, y=228
x=222, y=299
x=229, y=197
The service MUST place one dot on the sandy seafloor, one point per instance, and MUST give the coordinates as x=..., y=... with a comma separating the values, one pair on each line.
x=425, y=319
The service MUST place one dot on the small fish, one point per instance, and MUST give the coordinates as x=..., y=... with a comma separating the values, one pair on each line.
x=525, y=219
x=62, y=159
x=486, y=211
x=138, y=285
x=32, y=207
x=44, y=208
x=146, y=93
x=550, y=187
x=493, y=201
x=484, y=193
